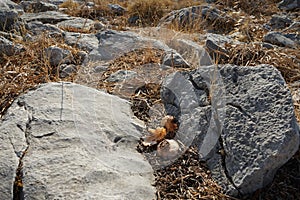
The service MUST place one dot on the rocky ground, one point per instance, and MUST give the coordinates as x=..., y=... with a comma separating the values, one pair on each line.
x=57, y=40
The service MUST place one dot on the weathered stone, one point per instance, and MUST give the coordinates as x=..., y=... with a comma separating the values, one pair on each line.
x=58, y=56
x=198, y=16
x=113, y=44
x=280, y=21
x=289, y=5
x=49, y=17
x=245, y=112
x=191, y=52
x=121, y=75
x=8, y=48
x=80, y=144
x=8, y=4
x=279, y=39
x=76, y=25
x=66, y=70
x=87, y=42
x=8, y=17
x=174, y=59
x=38, y=28
x=38, y=6
x=294, y=37
x=117, y=9
x=215, y=45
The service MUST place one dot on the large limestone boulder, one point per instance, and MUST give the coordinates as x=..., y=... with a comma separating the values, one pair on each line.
x=241, y=118
x=72, y=142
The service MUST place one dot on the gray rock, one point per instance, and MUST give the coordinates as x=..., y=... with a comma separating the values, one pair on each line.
x=8, y=17
x=49, y=17
x=37, y=28
x=121, y=75
x=78, y=24
x=112, y=44
x=86, y=42
x=117, y=9
x=38, y=6
x=99, y=26
x=211, y=1
x=250, y=116
x=66, y=70
x=294, y=37
x=280, y=21
x=80, y=144
x=8, y=4
x=191, y=52
x=196, y=16
x=56, y=2
x=174, y=59
x=279, y=39
x=8, y=48
x=289, y=5
x=58, y=56
x=100, y=68
x=215, y=45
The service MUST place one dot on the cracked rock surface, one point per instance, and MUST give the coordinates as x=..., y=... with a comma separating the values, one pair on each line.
x=242, y=119
x=72, y=141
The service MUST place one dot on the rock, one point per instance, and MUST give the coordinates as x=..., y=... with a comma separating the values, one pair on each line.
x=250, y=120
x=8, y=16
x=121, y=75
x=191, y=52
x=99, y=26
x=101, y=68
x=133, y=20
x=67, y=70
x=117, y=9
x=279, y=39
x=58, y=56
x=77, y=146
x=197, y=16
x=289, y=5
x=56, y=2
x=38, y=28
x=211, y=1
x=49, y=17
x=113, y=44
x=280, y=21
x=8, y=48
x=294, y=37
x=8, y=4
x=38, y=6
x=86, y=42
x=174, y=59
x=77, y=25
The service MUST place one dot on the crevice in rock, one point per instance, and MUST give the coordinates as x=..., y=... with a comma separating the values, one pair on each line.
x=45, y=135
x=223, y=161
x=62, y=100
x=241, y=110
x=18, y=183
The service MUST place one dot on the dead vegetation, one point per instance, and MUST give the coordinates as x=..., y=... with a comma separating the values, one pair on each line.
x=187, y=178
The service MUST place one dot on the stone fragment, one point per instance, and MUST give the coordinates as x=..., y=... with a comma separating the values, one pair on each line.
x=279, y=39
x=289, y=5
x=57, y=56
x=174, y=59
x=74, y=142
x=241, y=118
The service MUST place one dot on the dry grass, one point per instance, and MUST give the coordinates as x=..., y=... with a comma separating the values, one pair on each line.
x=187, y=178
x=28, y=69
x=252, y=7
